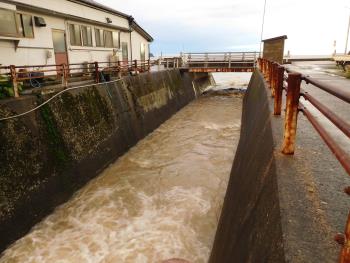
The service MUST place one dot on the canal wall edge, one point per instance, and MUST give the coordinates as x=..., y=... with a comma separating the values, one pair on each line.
x=250, y=229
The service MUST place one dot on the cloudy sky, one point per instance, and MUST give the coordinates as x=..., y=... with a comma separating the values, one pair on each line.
x=312, y=26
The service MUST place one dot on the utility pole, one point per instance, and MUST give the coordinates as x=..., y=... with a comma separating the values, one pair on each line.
x=262, y=28
x=347, y=37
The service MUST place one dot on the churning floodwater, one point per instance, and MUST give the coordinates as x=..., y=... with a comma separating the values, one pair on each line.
x=161, y=200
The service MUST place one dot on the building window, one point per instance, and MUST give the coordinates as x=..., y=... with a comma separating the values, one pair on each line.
x=116, y=39
x=8, y=23
x=125, y=52
x=87, y=36
x=143, y=52
x=25, y=23
x=75, y=35
x=108, y=39
x=99, y=38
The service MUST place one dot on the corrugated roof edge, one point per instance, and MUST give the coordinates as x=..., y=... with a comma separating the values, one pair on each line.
x=275, y=38
x=132, y=22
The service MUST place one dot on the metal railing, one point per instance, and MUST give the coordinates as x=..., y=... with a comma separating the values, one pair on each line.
x=96, y=71
x=225, y=59
x=281, y=79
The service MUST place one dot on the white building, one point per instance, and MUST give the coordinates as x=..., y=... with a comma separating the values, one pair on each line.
x=46, y=32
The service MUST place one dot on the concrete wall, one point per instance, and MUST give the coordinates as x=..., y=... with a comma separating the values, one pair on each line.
x=47, y=155
x=250, y=227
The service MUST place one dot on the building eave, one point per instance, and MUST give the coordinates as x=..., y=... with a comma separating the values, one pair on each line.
x=97, y=6
x=140, y=30
x=133, y=25
x=132, y=22
x=45, y=11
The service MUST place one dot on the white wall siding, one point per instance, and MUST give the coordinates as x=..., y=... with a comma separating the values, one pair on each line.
x=34, y=51
x=78, y=10
x=137, y=39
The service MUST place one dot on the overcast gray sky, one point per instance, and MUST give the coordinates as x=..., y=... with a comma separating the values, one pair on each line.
x=235, y=25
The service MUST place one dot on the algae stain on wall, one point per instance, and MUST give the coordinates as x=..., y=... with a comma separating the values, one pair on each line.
x=84, y=120
x=57, y=148
x=20, y=155
x=155, y=100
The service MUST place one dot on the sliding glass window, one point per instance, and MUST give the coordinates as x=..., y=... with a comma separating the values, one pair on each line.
x=8, y=23
x=75, y=35
x=87, y=36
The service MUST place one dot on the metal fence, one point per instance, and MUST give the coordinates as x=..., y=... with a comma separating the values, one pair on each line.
x=223, y=59
x=37, y=75
x=281, y=79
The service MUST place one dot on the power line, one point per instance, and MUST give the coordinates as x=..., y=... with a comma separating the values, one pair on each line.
x=53, y=97
x=262, y=26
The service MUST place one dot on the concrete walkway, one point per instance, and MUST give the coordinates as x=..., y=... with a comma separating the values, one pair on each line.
x=313, y=205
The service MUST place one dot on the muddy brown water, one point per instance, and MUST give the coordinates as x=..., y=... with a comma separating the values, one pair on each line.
x=161, y=200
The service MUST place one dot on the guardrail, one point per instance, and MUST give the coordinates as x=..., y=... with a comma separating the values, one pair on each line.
x=281, y=79
x=96, y=71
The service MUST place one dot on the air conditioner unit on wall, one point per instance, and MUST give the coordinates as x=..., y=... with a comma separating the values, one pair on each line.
x=39, y=21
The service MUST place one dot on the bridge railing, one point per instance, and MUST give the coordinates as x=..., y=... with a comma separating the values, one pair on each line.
x=226, y=59
x=281, y=79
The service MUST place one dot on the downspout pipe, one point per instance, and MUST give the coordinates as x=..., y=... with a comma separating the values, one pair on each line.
x=131, y=20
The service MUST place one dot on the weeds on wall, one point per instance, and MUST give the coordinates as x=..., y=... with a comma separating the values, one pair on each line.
x=6, y=87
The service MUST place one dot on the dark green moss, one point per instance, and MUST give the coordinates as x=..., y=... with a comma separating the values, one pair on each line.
x=56, y=144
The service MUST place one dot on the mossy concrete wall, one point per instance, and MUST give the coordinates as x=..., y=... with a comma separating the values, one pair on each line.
x=47, y=155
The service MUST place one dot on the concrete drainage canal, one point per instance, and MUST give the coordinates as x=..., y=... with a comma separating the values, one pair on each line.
x=160, y=201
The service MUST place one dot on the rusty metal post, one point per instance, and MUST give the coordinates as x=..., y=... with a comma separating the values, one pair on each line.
x=278, y=91
x=273, y=78
x=270, y=74
x=13, y=74
x=267, y=70
x=344, y=241
x=97, y=73
x=263, y=66
x=119, y=71
x=64, y=75
x=291, y=118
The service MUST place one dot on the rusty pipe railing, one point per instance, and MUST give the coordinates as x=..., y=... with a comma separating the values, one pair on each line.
x=20, y=74
x=276, y=81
